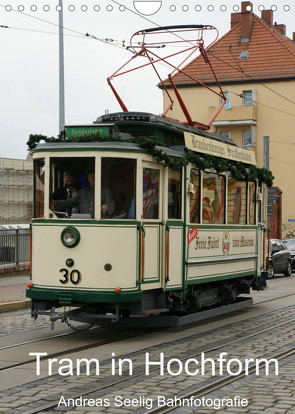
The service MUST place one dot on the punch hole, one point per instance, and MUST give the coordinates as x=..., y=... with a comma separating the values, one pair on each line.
x=46, y=8
x=261, y=7
x=96, y=8
x=84, y=8
x=122, y=8
x=59, y=8
x=71, y=8
x=185, y=8
x=33, y=8
x=8, y=8
x=21, y=8
x=173, y=8
x=286, y=8
x=109, y=8
x=223, y=8
x=274, y=7
x=249, y=8
x=236, y=8
x=210, y=8
x=198, y=8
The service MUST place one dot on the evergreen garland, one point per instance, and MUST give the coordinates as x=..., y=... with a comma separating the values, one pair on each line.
x=238, y=170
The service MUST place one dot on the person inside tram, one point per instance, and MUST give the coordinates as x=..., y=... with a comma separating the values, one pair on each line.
x=85, y=199
x=68, y=190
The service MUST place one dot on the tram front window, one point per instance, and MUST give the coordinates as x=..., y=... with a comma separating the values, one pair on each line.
x=39, y=179
x=118, y=183
x=72, y=187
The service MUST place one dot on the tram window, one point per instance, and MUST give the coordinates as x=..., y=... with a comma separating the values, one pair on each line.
x=236, y=201
x=39, y=172
x=118, y=183
x=213, y=198
x=174, y=194
x=195, y=196
x=252, y=203
x=151, y=183
x=77, y=171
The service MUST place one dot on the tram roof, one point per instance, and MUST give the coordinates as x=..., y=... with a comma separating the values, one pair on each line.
x=126, y=120
x=119, y=130
x=97, y=146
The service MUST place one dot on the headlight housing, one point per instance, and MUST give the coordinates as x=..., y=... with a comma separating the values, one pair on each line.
x=70, y=237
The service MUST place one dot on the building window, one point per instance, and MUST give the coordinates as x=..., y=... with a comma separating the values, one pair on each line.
x=247, y=141
x=247, y=98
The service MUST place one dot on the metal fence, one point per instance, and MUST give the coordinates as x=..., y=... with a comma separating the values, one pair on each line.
x=14, y=246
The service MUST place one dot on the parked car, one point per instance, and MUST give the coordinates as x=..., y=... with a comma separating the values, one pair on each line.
x=279, y=258
x=290, y=243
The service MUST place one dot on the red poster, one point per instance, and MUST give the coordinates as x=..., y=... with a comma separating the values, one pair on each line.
x=192, y=234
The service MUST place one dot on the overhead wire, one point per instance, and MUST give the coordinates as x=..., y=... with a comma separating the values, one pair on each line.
x=105, y=41
x=37, y=31
x=289, y=163
x=208, y=51
x=112, y=43
x=251, y=77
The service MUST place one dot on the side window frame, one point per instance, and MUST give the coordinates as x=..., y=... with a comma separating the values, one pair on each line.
x=211, y=207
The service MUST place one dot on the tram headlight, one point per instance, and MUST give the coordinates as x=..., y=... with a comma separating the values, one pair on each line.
x=70, y=237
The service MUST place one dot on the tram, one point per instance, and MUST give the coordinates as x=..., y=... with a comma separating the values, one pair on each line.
x=186, y=230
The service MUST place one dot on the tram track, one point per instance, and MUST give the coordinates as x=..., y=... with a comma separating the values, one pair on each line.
x=96, y=344
x=217, y=384
x=273, y=299
x=33, y=341
x=68, y=351
x=109, y=385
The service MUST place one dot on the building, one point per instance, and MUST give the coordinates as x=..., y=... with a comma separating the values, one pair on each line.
x=16, y=191
x=255, y=64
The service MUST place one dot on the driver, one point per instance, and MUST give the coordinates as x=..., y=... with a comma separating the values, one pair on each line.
x=85, y=199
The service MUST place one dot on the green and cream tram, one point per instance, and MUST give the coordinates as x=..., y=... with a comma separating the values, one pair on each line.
x=185, y=232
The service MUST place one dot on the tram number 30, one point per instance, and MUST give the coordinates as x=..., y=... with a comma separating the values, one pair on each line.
x=74, y=277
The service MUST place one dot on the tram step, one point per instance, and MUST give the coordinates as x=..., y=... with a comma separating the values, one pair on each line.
x=65, y=298
x=157, y=310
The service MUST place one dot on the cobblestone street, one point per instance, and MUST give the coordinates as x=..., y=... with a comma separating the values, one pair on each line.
x=279, y=389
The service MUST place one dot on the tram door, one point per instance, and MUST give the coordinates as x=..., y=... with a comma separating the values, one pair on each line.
x=162, y=214
x=152, y=221
x=174, y=229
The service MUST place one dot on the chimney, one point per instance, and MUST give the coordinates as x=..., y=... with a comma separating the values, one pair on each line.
x=267, y=16
x=246, y=21
x=235, y=19
x=281, y=28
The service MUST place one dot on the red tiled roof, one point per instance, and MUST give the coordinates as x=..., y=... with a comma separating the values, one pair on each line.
x=271, y=55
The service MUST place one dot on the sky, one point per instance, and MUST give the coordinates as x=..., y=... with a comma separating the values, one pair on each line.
x=29, y=68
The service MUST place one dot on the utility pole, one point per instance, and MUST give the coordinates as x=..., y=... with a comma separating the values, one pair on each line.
x=61, y=71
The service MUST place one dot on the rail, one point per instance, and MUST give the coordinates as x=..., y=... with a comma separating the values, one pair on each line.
x=14, y=246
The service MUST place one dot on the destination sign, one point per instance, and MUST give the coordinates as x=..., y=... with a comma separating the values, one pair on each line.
x=86, y=131
x=209, y=146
